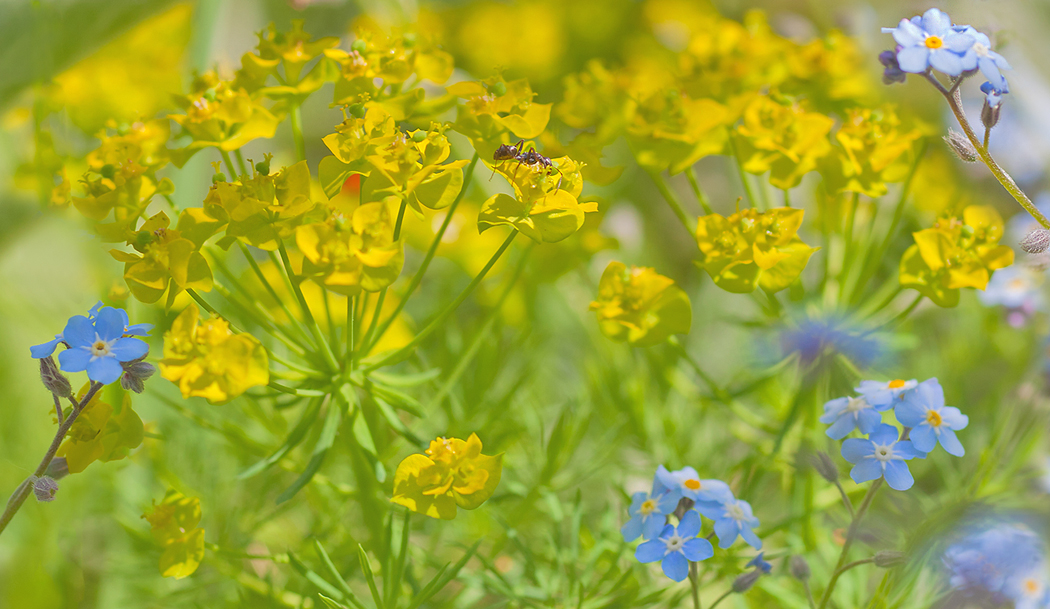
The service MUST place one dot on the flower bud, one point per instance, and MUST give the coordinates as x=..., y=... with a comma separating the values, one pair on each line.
x=893, y=72
x=744, y=582
x=58, y=468
x=135, y=374
x=358, y=110
x=44, y=488
x=219, y=177
x=108, y=171
x=1036, y=242
x=961, y=146
x=990, y=114
x=359, y=45
x=419, y=136
x=886, y=559
x=799, y=568
x=55, y=381
x=498, y=89
x=408, y=40
x=263, y=168
x=826, y=467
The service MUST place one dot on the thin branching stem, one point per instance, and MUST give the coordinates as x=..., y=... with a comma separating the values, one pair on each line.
x=851, y=536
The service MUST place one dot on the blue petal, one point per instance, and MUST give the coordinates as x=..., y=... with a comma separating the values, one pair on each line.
x=946, y=61
x=74, y=360
x=969, y=60
x=727, y=530
x=909, y=413
x=884, y=434
x=865, y=471
x=651, y=526
x=959, y=43
x=855, y=449
x=650, y=551
x=868, y=421
x=93, y=311
x=989, y=69
x=45, y=349
x=898, y=476
x=124, y=317
x=665, y=479
x=637, y=500
x=832, y=409
x=841, y=427
x=953, y=418
x=907, y=451
x=750, y=537
x=714, y=491
x=922, y=438
x=1000, y=61
x=138, y=330
x=127, y=349
x=105, y=370
x=690, y=525
x=714, y=511
x=698, y=549
x=667, y=502
x=79, y=331
x=914, y=59
x=930, y=394
x=936, y=22
x=907, y=34
x=632, y=530
x=109, y=324
x=675, y=566
x=951, y=443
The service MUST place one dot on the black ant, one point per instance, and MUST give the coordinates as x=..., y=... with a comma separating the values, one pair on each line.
x=517, y=152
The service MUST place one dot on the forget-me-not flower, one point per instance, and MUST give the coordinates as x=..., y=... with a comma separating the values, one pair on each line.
x=885, y=395
x=760, y=563
x=676, y=546
x=993, y=94
x=1004, y=562
x=99, y=346
x=930, y=420
x=648, y=513
x=881, y=455
x=732, y=518
x=930, y=41
x=981, y=56
x=45, y=349
x=846, y=414
x=1017, y=289
x=686, y=483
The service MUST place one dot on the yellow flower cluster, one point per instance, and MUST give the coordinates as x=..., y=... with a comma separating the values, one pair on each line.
x=751, y=248
x=206, y=359
x=174, y=524
x=956, y=253
x=640, y=306
x=452, y=473
x=165, y=259
x=101, y=433
x=784, y=140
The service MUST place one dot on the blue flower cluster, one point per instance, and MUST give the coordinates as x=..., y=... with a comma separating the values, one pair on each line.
x=684, y=494
x=98, y=343
x=919, y=407
x=1003, y=563
x=932, y=41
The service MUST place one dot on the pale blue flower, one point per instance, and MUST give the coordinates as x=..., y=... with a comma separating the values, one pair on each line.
x=676, y=547
x=884, y=395
x=648, y=513
x=45, y=349
x=846, y=414
x=930, y=420
x=881, y=455
x=1006, y=562
x=686, y=483
x=99, y=346
x=732, y=519
x=930, y=41
x=981, y=56
x=760, y=563
x=993, y=94
x=1016, y=288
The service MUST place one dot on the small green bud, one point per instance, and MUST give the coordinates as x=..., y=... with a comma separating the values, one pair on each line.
x=887, y=559
x=359, y=46
x=826, y=467
x=263, y=168
x=799, y=568
x=419, y=136
x=744, y=582
x=53, y=379
x=123, y=128
x=209, y=95
x=143, y=238
x=108, y=171
x=409, y=40
x=498, y=89
x=44, y=488
x=219, y=177
x=135, y=375
x=358, y=110
x=967, y=231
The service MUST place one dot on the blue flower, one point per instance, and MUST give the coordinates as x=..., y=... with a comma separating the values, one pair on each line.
x=687, y=483
x=881, y=454
x=885, y=395
x=732, y=518
x=1005, y=562
x=930, y=420
x=981, y=56
x=759, y=563
x=846, y=414
x=1017, y=289
x=893, y=72
x=45, y=349
x=99, y=346
x=648, y=513
x=815, y=337
x=676, y=546
x=930, y=41
x=993, y=94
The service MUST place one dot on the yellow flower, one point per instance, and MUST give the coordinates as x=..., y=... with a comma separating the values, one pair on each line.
x=640, y=306
x=100, y=434
x=293, y=50
x=497, y=112
x=206, y=359
x=784, y=140
x=872, y=151
x=165, y=258
x=751, y=248
x=956, y=253
x=451, y=473
x=830, y=73
x=672, y=131
x=174, y=525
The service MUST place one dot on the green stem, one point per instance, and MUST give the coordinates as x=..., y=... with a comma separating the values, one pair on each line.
x=724, y=596
x=433, y=325
x=700, y=195
x=292, y=319
x=900, y=317
x=315, y=330
x=372, y=323
x=740, y=172
x=850, y=537
x=787, y=197
x=400, y=219
x=350, y=302
x=297, y=132
x=203, y=303
x=229, y=165
x=848, y=251
x=418, y=277
x=672, y=200
x=694, y=581
x=240, y=162
x=809, y=595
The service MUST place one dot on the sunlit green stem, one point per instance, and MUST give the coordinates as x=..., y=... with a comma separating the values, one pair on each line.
x=672, y=200
x=240, y=162
x=349, y=363
x=851, y=536
x=315, y=330
x=297, y=131
x=271, y=328
x=694, y=582
x=849, y=249
x=292, y=319
x=743, y=175
x=433, y=325
x=701, y=197
x=22, y=493
x=900, y=317
x=229, y=165
x=719, y=600
x=370, y=341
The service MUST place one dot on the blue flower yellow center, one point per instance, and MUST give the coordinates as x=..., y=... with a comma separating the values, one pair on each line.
x=896, y=384
x=934, y=418
x=648, y=507
x=934, y=42
x=100, y=348
x=693, y=485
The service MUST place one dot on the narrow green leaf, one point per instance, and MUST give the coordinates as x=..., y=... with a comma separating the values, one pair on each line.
x=395, y=422
x=404, y=380
x=334, y=574
x=369, y=576
x=330, y=603
x=314, y=578
x=437, y=585
x=295, y=437
x=324, y=442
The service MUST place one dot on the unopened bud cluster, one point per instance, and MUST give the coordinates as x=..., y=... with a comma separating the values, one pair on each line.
x=961, y=146
x=135, y=375
x=53, y=379
x=1036, y=242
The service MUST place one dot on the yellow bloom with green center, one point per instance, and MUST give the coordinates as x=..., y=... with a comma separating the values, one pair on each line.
x=101, y=433
x=830, y=73
x=291, y=51
x=174, y=526
x=206, y=359
x=640, y=306
x=872, y=151
x=785, y=140
x=956, y=253
x=452, y=473
x=354, y=249
x=752, y=248
x=165, y=259
x=669, y=130
x=498, y=112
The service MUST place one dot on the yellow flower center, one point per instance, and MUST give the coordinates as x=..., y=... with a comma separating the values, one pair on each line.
x=934, y=418
x=934, y=42
x=100, y=348
x=648, y=507
x=693, y=485
x=1031, y=585
x=895, y=384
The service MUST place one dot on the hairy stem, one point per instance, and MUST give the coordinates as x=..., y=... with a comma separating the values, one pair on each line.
x=850, y=537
